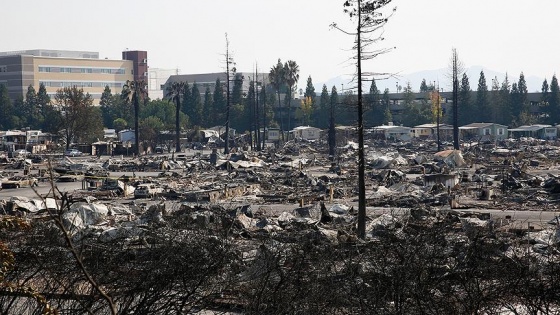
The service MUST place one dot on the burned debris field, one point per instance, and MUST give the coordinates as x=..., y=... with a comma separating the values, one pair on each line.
x=274, y=232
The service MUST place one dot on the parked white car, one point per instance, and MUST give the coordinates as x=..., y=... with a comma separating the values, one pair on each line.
x=20, y=153
x=147, y=191
x=73, y=152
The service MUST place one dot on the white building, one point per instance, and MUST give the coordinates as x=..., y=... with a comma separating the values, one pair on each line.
x=393, y=132
x=430, y=130
x=156, y=80
x=127, y=136
x=306, y=133
x=273, y=134
x=109, y=134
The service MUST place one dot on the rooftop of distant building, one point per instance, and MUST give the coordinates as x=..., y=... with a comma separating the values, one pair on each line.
x=53, y=53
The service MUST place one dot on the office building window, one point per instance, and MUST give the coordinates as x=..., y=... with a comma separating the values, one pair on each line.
x=82, y=84
x=82, y=70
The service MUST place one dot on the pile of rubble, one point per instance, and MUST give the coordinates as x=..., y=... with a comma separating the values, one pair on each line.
x=300, y=175
x=271, y=207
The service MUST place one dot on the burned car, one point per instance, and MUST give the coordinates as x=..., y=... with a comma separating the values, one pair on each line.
x=19, y=181
x=71, y=176
x=147, y=191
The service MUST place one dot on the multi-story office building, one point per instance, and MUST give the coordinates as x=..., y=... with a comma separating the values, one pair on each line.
x=156, y=80
x=139, y=60
x=57, y=69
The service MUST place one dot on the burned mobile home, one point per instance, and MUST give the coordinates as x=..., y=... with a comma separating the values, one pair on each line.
x=450, y=232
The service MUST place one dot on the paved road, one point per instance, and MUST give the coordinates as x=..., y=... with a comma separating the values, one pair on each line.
x=42, y=189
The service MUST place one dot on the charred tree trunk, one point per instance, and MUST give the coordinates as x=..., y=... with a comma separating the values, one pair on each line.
x=455, y=100
x=361, y=162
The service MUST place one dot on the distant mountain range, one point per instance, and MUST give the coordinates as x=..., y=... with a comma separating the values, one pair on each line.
x=534, y=83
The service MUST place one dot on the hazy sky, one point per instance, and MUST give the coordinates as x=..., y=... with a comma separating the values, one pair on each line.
x=502, y=35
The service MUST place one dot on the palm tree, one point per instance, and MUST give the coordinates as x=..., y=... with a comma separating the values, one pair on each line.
x=291, y=77
x=276, y=77
x=174, y=93
x=133, y=91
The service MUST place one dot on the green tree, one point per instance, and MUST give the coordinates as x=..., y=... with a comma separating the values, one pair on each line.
x=119, y=124
x=165, y=111
x=206, y=110
x=374, y=106
x=134, y=91
x=239, y=118
x=544, y=101
x=53, y=119
x=515, y=99
x=323, y=109
x=113, y=106
x=519, y=102
x=523, y=92
x=7, y=111
x=495, y=106
x=466, y=106
x=310, y=92
x=303, y=113
x=187, y=101
x=93, y=129
x=346, y=112
x=277, y=80
x=333, y=104
x=43, y=101
x=106, y=104
x=150, y=127
x=29, y=111
x=218, y=105
x=291, y=73
x=415, y=113
x=482, y=106
x=423, y=86
x=81, y=121
x=387, y=115
x=554, y=100
x=237, y=91
x=310, y=89
x=506, y=114
x=174, y=93
x=106, y=97
x=196, y=103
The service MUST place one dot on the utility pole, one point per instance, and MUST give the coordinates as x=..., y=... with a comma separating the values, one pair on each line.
x=257, y=127
x=455, y=70
x=226, y=147
x=361, y=159
x=264, y=113
x=252, y=114
x=438, y=114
